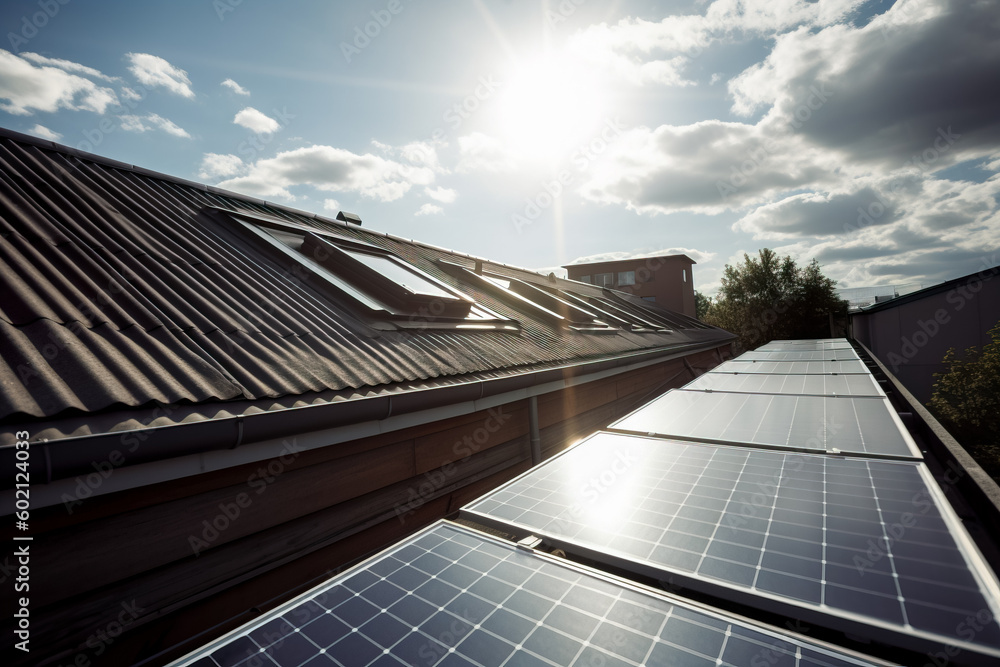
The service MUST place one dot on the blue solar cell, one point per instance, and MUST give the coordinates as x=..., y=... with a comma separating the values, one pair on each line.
x=804, y=531
x=556, y=614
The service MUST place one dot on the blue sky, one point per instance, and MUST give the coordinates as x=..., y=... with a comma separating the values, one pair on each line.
x=865, y=134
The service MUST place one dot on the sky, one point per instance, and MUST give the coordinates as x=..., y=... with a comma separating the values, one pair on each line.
x=863, y=134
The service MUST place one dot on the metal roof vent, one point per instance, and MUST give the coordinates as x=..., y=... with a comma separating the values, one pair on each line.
x=344, y=216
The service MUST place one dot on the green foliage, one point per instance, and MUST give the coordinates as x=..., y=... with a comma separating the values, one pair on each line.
x=701, y=304
x=770, y=297
x=966, y=401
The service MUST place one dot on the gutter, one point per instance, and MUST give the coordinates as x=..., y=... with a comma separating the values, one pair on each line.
x=218, y=443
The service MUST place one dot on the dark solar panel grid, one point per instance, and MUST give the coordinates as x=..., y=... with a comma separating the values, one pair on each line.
x=850, y=537
x=450, y=597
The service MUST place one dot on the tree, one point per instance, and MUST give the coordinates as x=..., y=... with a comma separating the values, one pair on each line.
x=966, y=401
x=701, y=304
x=769, y=297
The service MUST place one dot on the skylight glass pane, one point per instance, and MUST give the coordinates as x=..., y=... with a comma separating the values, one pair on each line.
x=399, y=274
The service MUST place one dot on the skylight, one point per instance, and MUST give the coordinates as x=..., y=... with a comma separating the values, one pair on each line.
x=380, y=287
x=540, y=302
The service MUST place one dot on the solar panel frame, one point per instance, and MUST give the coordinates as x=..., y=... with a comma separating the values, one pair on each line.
x=593, y=613
x=851, y=367
x=786, y=345
x=799, y=355
x=856, y=385
x=647, y=420
x=809, y=341
x=842, y=620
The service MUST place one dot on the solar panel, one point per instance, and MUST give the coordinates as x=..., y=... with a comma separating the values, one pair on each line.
x=839, y=424
x=451, y=596
x=798, y=355
x=811, y=341
x=806, y=345
x=792, y=367
x=816, y=385
x=865, y=546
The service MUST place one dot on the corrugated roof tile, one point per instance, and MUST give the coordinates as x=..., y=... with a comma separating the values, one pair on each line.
x=119, y=290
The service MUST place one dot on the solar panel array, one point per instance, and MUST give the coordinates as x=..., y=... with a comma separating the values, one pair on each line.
x=700, y=488
x=808, y=385
x=800, y=355
x=792, y=367
x=790, y=489
x=451, y=596
x=813, y=344
x=807, y=423
x=790, y=529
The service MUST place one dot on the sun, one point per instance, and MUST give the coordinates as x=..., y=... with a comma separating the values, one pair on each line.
x=550, y=105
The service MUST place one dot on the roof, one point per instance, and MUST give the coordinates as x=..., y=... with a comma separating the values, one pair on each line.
x=628, y=260
x=985, y=274
x=120, y=290
x=858, y=297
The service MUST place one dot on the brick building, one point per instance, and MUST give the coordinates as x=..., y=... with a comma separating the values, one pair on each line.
x=665, y=280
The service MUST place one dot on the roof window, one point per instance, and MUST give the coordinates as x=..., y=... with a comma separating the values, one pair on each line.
x=379, y=286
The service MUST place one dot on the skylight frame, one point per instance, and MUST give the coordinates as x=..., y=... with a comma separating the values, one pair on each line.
x=389, y=305
x=537, y=300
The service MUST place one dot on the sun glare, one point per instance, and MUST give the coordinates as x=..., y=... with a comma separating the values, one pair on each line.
x=548, y=106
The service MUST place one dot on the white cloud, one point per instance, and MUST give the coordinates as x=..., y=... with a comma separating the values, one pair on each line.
x=152, y=121
x=254, y=120
x=216, y=165
x=441, y=194
x=699, y=256
x=873, y=94
x=708, y=167
x=420, y=153
x=235, y=87
x=429, y=209
x=154, y=71
x=480, y=152
x=27, y=88
x=68, y=66
x=644, y=52
x=834, y=121
x=332, y=170
x=331, y=205
x=130, y=95
x=45, y=133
